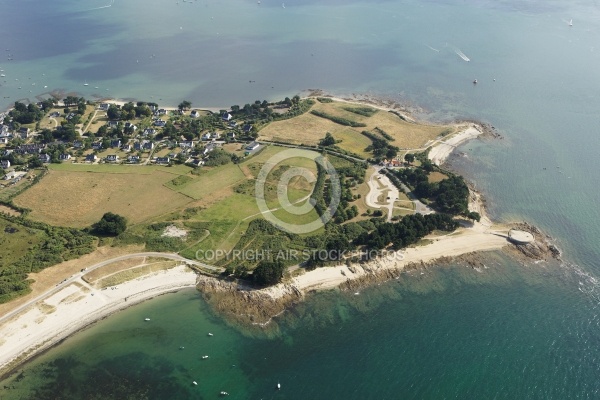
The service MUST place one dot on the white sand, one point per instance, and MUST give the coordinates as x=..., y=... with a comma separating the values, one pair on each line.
x=442, y=150
x=76, y=306
x=462, y=241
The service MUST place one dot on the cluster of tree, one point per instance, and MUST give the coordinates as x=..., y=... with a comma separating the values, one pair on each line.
x=129, y=111
x=324, y=100
x=381, y=148
x=56, y=245
x=409, y=230
x=338, y=120
x=218, y=157
x=26, y=114
x=383, y=133
x=110, y=225
x=364, y=111
x=66, y=132
x=268, y=272
x=450, y=196
x=328, y=140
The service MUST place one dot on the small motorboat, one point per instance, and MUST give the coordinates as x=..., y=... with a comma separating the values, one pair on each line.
x=146, y=319
x=210, y=334
x=195, y=383
x=204, y=357
x=278, y=386
x=223, y=393
x=475, y=82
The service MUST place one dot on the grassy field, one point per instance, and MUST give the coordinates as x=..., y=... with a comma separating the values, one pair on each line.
x=78, y=199
x=120, y=169
x=436, y=177
x=16, y=240
x=309, y=129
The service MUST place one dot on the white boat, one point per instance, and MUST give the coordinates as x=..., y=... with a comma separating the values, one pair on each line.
x=278, y=386
x=195, y=383
x=475, y=82
x=86, y=84
x=204, y=357
x=146, y=319
x=224, y=393
x=210, y=334
x=571, y=22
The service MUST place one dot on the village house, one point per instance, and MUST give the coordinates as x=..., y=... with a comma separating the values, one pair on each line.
x=247, y=128
x=5, y=131
x=163, y=160
x=226, y=116
x=97, y=146
x=148, y=132
x=4, y=164
x=64, y=157
x=209, y=147
x=24, y=132
x=194, y=114
x=252, y=146
x=30, y=148
x=4, y=140
x=91, y=158
x=45, y=158
x=187, y=144
x=77, y=144
x=103, y=106
x=126, y=147
x=160, y=122
x=130, y=126
x=133, y=159
x=148, y=146
x=112, y=158
x=115, y=143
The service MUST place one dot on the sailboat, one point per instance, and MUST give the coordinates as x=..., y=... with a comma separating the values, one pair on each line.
x=571, y=22
x=85, y=84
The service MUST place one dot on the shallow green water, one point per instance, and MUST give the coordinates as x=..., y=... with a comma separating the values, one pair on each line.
x=507, y=332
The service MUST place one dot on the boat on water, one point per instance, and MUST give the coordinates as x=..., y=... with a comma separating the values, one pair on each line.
x=204, y=357
x=2, y=75
x=278, y=386
x=475, y=82
x=224, y=393
x=210, y=334
x=195, y=383
x=571, y=22
x=146, y=319
x=86, y=84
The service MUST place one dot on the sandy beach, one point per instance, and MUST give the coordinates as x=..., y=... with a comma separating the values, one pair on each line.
x=465, y=240
x=444, y=148
x=76, y=306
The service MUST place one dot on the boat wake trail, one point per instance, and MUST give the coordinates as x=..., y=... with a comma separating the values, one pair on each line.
x=432, y=48
x=461, y=54
x=99, y=8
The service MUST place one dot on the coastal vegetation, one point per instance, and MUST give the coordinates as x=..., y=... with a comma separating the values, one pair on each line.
x=30, y=246
x=195, y=208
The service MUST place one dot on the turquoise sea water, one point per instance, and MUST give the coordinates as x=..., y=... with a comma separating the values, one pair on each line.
x=509, y=331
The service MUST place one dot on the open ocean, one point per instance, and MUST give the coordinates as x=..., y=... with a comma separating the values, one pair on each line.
x=507, y=331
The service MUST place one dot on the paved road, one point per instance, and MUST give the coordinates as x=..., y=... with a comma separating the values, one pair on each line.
x=77, y=276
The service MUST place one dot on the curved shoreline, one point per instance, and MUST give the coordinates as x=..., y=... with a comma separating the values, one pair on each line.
x=54, y=319
x=75, y=307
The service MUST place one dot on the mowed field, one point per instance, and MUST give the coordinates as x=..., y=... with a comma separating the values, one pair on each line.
x=309, y=129
x=78, y=199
